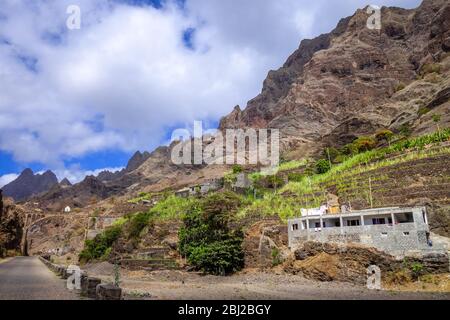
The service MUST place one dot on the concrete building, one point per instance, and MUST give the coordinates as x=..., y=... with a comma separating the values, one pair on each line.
x=200, y=189
x=398, y=231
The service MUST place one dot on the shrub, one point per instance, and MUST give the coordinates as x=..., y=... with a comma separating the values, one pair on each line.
x=137, y=223
x=275, y=182
x=100, y=246
x=384, y=135
x=423, y=110
x=405, y=130
x=400, y=87
x=276, y=257
x=237, y=169
x=295, y=177
x=323, y=166
x=417, y=270
x=206, y=238
x=363, y=144
x=430, y=68
x=332, y=153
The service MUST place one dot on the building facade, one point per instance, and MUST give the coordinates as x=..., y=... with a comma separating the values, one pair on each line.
x=398, y=231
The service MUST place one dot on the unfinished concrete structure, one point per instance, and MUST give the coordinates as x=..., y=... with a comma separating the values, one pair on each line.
x=398, y=231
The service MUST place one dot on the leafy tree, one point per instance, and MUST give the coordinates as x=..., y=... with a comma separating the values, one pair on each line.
x=206, y=238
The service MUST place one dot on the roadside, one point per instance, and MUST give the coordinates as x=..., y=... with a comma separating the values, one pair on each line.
x=249, y=285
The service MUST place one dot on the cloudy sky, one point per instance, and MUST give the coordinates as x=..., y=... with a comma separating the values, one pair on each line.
x=78, y=101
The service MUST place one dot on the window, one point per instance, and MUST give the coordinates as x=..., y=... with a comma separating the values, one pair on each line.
x=378, y=221
x=353, y=223
x=406, y=234
x=384, y=234
x=294, y=227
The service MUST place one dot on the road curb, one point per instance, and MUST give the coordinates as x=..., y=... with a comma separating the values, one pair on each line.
x=91, y=287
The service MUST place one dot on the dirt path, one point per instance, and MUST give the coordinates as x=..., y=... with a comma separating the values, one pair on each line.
x=176, y=285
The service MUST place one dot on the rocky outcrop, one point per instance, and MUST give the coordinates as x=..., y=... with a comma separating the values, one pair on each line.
x=349, y=263
x=29, y=184
x=89, y=191
x=135, y=162
x=11, y=227
x=354, y=80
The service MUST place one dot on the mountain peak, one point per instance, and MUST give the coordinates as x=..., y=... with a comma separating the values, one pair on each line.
x=29, y=184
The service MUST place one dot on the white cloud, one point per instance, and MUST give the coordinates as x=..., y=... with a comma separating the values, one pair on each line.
x=7, y=178
x=125, y=77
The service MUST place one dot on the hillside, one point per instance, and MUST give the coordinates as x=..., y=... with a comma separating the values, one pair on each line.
x=354, y=81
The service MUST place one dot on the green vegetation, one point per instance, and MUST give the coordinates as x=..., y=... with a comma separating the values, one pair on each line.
x=172, y=207
x=310, y=190
x=141, y=197
x=137, y=224
x=399, y=87
x=207, y=239
x=384, y=135
x=237, y=169
x=423, y=110
x=417, y=270
x=323, y=166
x=100, y=247
x=430, y=68
x=276, y=257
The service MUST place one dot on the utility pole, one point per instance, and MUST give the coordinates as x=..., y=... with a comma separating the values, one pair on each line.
x=370, y=192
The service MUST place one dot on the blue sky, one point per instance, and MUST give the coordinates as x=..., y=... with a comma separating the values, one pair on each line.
x=80, y=101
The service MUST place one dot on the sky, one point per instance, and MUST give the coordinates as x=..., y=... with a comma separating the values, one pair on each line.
x=78, y=101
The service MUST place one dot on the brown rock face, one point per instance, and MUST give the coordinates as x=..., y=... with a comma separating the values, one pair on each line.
x=332, y=262
x=348, y=83
x=29, y=184
x=11, y=227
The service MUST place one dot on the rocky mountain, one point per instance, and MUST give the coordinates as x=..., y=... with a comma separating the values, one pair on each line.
x=334, y=88
x=135, y=162
x=29, y=184
x=354, y=81
x=65, y=183
x=91, y=189
x=11, y=226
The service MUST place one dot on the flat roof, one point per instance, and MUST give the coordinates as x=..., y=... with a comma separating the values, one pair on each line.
x=369, y=212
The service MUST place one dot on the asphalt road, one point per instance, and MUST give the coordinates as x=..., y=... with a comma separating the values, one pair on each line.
x=27, y=278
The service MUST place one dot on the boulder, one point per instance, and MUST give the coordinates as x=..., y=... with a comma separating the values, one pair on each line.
x=108, y=292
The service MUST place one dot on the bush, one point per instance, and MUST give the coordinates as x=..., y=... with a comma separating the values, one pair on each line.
x=275, y=182
x=276, y=257
x=237, y=169
x=295, y=177
x=206, y=238
x=417, y=270
x=400, y=87
x=423, y=110
x=137, y=223
x=100, y=246
x=384, y=135
x=323, y=166
x=363, y=144
x=430, y=68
